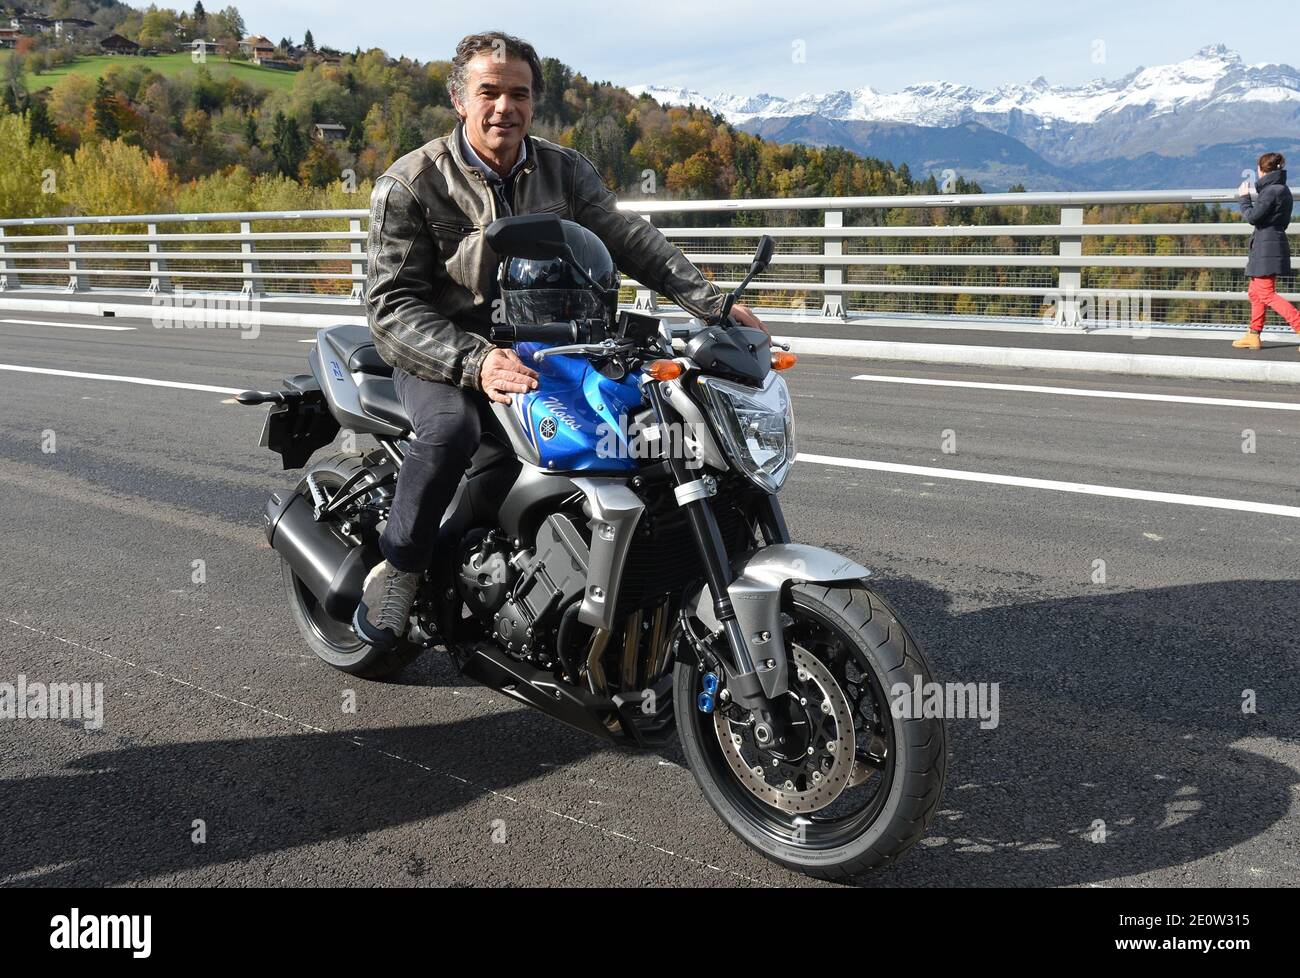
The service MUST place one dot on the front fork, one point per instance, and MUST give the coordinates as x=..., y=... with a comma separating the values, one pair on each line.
x=693, y=495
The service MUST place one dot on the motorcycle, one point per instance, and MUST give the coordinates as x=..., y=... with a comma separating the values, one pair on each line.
x=620, y=561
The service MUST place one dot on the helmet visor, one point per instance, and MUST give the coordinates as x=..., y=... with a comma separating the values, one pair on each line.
x=533, y=307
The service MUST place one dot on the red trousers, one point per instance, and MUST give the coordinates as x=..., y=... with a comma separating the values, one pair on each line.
x=1263, y=296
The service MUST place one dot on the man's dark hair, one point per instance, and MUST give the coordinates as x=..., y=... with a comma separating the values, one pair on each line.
x=1269, y=162
x=499, y=43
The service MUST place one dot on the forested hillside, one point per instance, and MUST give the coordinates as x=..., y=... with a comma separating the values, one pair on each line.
x=87, y=134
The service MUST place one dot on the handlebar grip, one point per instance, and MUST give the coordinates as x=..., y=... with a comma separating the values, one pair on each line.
x=550, y=333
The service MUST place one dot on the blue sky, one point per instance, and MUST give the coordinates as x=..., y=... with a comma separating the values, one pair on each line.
x=727, y=45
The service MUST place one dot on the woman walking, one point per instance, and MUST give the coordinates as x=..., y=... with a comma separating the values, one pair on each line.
x=1270, y=254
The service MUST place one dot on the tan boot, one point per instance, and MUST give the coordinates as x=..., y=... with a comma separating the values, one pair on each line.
x=1249, y=341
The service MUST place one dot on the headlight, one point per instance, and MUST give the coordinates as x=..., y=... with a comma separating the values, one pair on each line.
x=756, y=427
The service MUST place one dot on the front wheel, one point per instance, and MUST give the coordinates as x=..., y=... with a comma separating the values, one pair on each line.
x=853, y=787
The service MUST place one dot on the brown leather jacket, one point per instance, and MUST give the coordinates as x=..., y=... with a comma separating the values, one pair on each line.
x=431, y=278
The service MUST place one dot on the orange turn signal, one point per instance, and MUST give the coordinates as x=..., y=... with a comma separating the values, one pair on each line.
x=781, y=360
x=664, y=369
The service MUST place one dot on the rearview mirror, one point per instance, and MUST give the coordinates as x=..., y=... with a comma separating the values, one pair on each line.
x=766, y=247
x=537, y=236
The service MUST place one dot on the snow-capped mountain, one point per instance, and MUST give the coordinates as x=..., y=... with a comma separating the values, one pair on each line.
x=1176, y=110
x=1214, y=74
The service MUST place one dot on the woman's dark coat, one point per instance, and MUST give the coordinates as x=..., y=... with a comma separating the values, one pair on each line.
x=1270, y=213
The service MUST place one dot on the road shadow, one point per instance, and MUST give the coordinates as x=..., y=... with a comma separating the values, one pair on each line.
x=125, y=815
x=1122, y=745
x=1119, y=719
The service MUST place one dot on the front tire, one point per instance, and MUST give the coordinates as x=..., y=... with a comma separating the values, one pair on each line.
x=860, y=639
x=334, y=641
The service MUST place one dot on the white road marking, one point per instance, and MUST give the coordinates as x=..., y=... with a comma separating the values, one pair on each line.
x=1177, y=498
x=46, y=322
x=146, y=381
x=1181, y=499
x=1081, y=392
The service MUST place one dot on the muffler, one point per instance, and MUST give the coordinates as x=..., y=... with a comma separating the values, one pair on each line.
x=332, y=567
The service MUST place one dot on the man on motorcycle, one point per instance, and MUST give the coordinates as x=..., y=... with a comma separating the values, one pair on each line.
x=431, y=289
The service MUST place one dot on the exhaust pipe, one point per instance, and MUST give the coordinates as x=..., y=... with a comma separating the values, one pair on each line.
x=331, y=567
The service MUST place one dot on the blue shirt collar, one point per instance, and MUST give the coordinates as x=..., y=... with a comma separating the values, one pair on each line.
x=473, y=159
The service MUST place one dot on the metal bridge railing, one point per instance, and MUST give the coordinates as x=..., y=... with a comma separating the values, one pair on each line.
x=848, y=259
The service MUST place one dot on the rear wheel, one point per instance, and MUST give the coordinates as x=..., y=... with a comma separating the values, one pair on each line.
x=332, y=640
x=854, y=787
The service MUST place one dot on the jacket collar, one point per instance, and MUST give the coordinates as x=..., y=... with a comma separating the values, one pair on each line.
x=471, y=170
x=1268, y=179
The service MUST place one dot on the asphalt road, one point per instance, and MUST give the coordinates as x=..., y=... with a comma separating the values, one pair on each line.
x=1122, y=754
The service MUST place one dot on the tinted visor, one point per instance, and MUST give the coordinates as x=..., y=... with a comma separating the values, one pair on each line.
x=533, y=307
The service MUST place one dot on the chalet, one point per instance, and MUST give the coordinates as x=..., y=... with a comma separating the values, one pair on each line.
x=324, y=56
x=27, y=24
x=71, y=29
x=117, y=44
x=257, y=48
x=205, y=46
x=329, y=132
x=8, y=37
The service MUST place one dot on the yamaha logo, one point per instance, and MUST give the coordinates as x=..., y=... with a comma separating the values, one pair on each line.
x=547, y=428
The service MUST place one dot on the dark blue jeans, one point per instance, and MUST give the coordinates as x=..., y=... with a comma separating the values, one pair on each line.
x=447, y=424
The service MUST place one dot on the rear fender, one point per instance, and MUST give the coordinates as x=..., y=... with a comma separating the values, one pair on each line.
x=296, y=429
x=760, y=578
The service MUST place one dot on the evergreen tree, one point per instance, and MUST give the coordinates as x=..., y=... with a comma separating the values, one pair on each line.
x=356, y=140
x=200, y=15
x=287, y=146
x=105, y=112
x=309, y=42
x=409, y=139
x=38, y=122
x=250, y=131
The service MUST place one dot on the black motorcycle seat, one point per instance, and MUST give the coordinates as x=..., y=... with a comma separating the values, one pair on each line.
x=357, y=349
x=366, y=360
x=378, y=398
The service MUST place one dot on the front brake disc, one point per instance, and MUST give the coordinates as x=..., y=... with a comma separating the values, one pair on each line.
x=828, y=768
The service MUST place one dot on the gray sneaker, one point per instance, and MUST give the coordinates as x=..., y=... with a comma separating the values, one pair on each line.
x=382, y=616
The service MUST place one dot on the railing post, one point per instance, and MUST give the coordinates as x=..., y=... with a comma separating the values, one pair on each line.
x=158, y=281
x=358, y=268
x=833, y=303
x=6, y=273
x=250, y=265
x=1070, y=280
x=74, y=279
x=646, y=300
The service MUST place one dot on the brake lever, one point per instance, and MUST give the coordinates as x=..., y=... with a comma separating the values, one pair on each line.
x=604, y=348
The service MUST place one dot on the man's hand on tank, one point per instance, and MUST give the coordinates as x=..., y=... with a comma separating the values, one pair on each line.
x=504, y=374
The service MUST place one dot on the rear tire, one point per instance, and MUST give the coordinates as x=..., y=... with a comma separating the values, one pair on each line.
x=334, y=641
x=911, y=788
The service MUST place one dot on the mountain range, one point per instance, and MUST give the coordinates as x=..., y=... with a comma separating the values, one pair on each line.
x=1194, y=124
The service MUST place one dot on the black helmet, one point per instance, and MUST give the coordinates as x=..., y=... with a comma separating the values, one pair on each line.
x=538, y=291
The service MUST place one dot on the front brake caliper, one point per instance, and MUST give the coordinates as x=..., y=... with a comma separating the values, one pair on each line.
x=710, y=685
